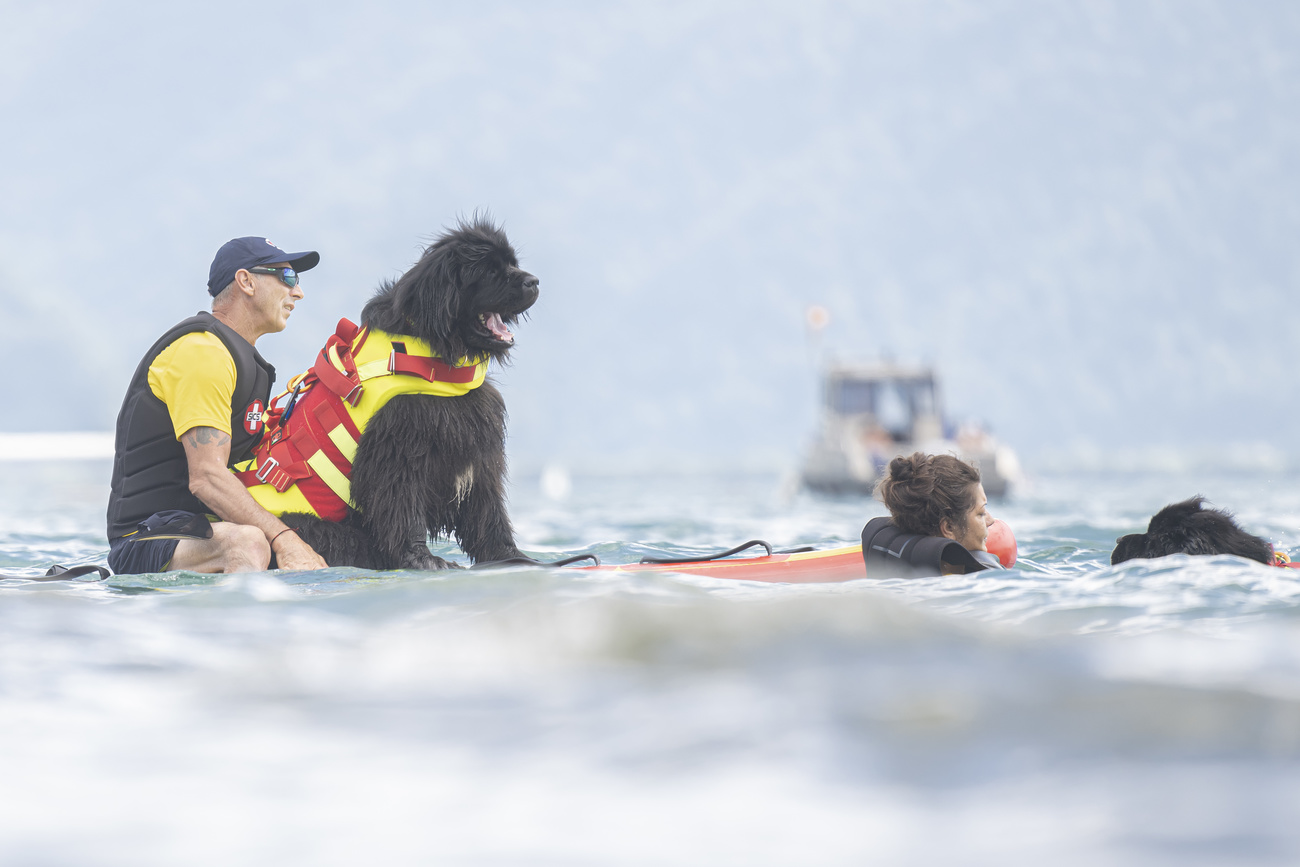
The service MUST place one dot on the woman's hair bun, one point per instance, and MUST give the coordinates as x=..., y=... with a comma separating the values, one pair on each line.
x=902, y=469
x=921, y=490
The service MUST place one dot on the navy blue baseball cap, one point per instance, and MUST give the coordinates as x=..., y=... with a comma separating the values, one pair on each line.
x=249, y=253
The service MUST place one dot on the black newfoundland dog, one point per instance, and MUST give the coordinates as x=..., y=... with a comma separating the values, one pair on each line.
x=428, y=464
x=1191, y=528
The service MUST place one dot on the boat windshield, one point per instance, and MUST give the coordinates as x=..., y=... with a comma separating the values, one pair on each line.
x=894, y=403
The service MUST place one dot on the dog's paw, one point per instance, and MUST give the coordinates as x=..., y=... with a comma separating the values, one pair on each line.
x=419, y=557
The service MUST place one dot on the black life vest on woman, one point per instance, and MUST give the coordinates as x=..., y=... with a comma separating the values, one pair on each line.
x=150, y=471
x=890, y=553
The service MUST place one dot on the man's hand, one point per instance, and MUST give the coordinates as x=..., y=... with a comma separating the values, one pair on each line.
x=207, y=450
x=292, y=552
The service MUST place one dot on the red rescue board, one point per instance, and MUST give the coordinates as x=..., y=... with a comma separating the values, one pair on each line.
x=808, y=567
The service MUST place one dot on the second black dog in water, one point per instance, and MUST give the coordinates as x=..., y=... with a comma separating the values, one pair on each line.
x=1190, y=527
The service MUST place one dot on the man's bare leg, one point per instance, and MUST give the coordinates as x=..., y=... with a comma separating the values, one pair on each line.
x=232, y=548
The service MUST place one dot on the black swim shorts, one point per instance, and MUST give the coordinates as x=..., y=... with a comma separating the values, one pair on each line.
x=151, y=546
x=130, y=556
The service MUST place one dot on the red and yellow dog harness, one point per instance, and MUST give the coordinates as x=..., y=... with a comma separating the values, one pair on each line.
x=304, y=461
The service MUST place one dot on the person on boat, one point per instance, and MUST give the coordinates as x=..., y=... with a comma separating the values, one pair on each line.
x=936, y=497
x=193, y=408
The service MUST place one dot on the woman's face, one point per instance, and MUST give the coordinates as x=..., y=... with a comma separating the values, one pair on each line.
x=973, y=535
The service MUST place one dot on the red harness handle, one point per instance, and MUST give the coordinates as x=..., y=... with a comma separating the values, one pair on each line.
x=346, y=383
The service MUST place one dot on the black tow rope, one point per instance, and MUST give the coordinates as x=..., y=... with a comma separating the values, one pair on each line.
x=61, y=573
x=705, y=558
x=529, y=561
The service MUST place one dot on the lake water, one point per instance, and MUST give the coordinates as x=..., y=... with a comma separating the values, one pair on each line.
x=1063, y=713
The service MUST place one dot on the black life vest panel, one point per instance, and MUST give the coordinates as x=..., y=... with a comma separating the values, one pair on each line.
x=150, y=471
x=890, y=553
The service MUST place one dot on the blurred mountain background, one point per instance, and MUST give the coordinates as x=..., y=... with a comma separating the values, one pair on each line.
x=1086, y=214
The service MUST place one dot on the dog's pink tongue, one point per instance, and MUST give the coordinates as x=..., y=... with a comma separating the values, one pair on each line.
x=498, y=328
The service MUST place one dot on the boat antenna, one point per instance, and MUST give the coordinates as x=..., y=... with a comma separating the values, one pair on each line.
x=816, y=318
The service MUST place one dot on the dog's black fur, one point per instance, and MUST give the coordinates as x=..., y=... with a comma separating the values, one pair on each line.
x=1191, y=528
x=427, y=464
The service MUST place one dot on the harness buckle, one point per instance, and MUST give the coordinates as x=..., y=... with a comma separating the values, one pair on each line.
x=265, y=469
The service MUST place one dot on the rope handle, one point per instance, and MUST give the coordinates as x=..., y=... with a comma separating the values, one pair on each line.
x=707, y=557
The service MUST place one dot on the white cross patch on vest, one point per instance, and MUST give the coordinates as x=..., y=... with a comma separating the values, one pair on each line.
x=253, y=417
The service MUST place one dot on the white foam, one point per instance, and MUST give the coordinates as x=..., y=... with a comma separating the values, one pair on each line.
x=56, y=446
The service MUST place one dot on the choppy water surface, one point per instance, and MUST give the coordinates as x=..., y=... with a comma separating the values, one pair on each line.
x=1065, y=712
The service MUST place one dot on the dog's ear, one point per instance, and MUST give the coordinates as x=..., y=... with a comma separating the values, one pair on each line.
x=1179, y=528
x=1175, y=516
x=1174, y=529
x=428, y=297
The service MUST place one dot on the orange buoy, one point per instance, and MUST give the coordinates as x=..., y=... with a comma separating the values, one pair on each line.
x=1001, y=542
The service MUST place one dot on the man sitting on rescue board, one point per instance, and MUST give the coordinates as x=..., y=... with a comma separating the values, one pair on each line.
x=194, y=407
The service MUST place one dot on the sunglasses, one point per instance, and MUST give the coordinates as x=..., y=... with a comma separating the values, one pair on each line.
x=287, y=275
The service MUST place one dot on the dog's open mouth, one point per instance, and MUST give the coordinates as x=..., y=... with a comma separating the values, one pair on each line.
x=493, y=324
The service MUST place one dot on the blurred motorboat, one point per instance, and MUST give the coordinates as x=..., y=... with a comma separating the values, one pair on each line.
x=874, y=412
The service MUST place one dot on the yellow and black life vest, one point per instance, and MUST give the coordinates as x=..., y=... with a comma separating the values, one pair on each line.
x=150, y=470
x=304, y=463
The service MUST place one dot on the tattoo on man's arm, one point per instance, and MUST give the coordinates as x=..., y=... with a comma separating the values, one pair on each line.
x=204, y=436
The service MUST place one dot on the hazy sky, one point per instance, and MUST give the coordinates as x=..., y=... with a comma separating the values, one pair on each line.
x=1085, y=213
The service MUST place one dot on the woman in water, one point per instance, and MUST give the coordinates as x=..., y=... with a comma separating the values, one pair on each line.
x=939, y=495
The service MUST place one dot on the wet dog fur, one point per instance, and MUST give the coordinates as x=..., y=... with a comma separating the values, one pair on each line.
x=429, y=465
x=1190, y=527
